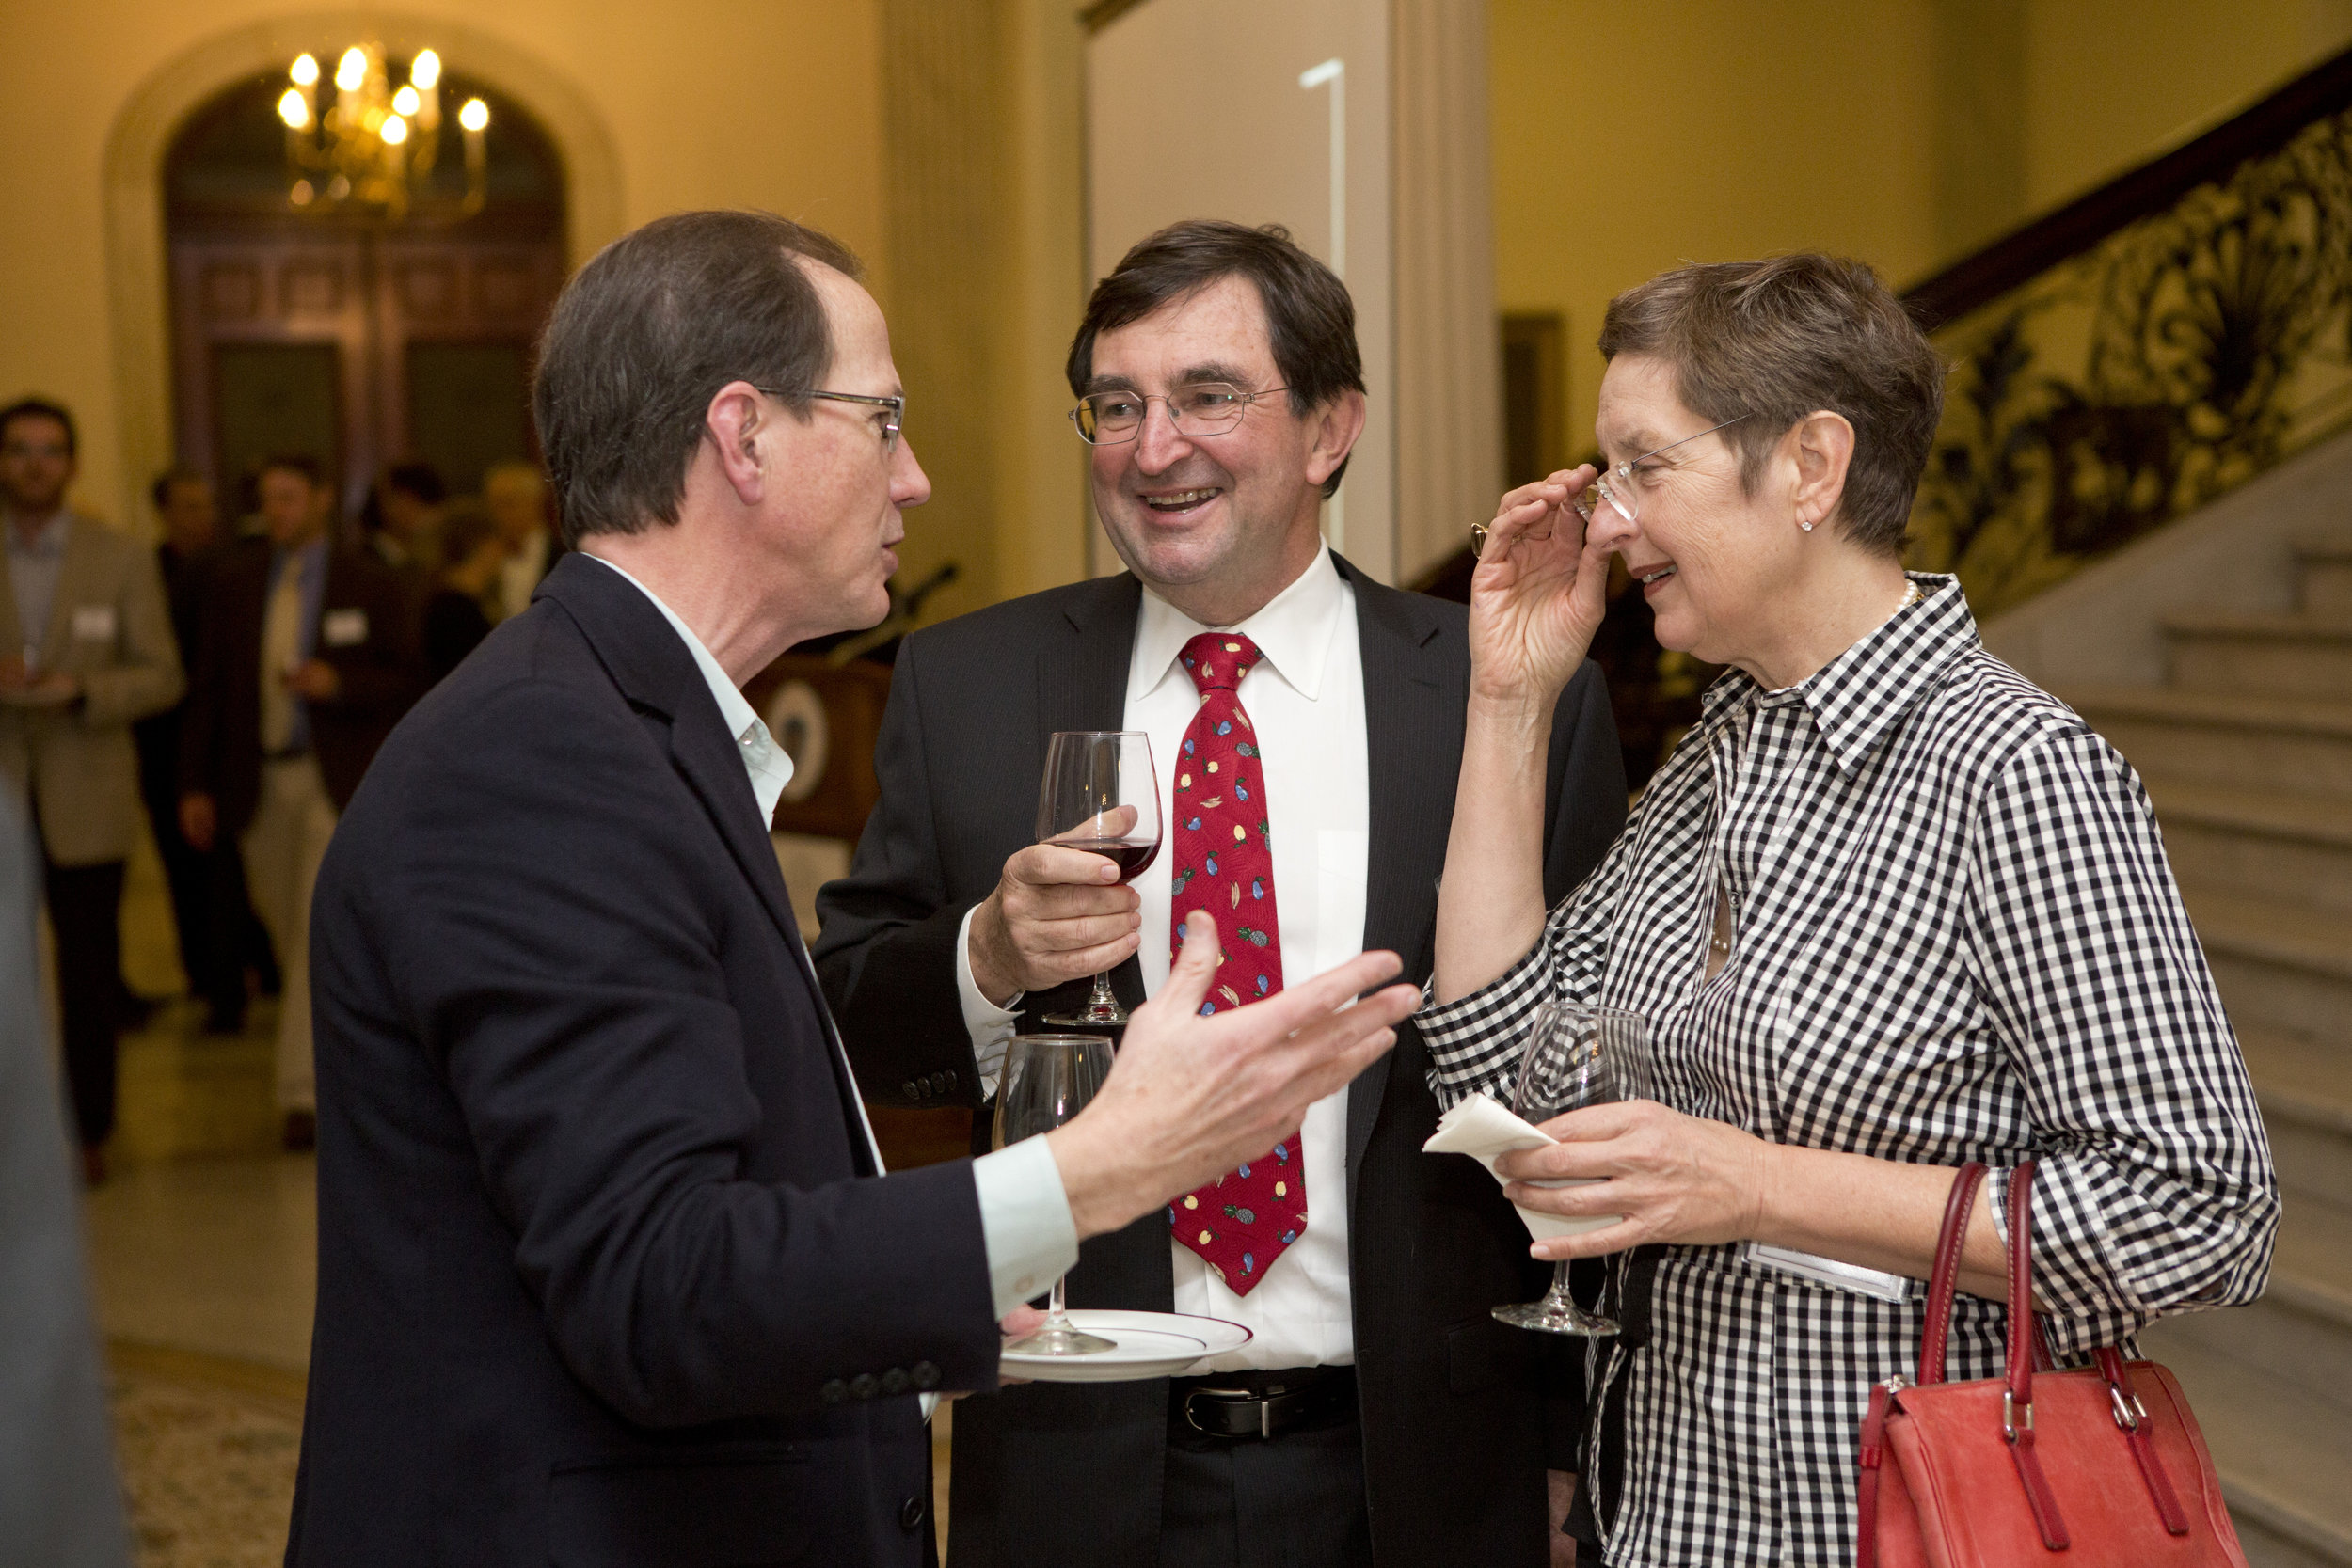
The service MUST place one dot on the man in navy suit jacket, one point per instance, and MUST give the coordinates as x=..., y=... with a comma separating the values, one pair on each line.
x=605, y=1274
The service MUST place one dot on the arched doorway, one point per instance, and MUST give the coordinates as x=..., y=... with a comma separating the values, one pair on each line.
x=345, y=334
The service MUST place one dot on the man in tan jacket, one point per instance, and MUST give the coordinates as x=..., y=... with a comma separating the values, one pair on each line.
x=86, y=648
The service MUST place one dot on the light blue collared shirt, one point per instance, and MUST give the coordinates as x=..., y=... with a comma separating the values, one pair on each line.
x=1026, y=1225
x=33, y=572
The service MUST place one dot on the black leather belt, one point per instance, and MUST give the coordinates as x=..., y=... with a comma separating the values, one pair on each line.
x=1259, y=1405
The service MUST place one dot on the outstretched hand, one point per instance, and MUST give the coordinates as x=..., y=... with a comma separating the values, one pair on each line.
x=1193, y=1094
x=1538, y=593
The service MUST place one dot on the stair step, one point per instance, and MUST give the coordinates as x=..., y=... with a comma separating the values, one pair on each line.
x=2305, y=1089
x=2283, y=1454
x=2235, y=741
x=2281, y=967
x=2293, y=847
x=2323, y=578
x=2276, y=654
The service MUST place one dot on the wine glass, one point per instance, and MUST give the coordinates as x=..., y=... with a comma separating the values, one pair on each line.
x=1047, y=1080
x=1101, y=794
x=1577, y=1055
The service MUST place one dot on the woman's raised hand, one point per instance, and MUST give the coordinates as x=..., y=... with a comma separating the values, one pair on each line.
x=1538, y=593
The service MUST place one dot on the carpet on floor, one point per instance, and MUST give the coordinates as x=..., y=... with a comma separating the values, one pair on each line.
x=208, y=1447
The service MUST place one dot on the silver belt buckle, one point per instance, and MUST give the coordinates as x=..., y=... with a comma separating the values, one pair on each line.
x=1266, y=1421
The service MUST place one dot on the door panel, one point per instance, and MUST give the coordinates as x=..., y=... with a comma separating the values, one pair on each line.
x=273, y=397
x=468, y=406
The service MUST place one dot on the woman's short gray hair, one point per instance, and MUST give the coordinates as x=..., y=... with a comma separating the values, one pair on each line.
x=1782, y=338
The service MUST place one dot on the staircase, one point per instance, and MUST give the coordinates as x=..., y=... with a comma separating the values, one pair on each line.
x=2247, y=755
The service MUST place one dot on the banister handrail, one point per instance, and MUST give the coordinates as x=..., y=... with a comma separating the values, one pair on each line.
x=2025, y=253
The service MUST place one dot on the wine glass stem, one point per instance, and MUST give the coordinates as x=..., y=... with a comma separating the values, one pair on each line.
x=1103, y=1000
x=1057, y=1315
x=1560, y=1283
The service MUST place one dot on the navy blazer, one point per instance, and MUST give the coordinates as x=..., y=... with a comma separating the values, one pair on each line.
x=599, y=1280
x=1460, y=1414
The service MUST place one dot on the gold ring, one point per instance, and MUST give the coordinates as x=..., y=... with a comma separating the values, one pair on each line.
x=1478, y=539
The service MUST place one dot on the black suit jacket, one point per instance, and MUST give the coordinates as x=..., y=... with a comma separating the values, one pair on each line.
x=1458, y=1416
x=220, y=739
x=598, y=1282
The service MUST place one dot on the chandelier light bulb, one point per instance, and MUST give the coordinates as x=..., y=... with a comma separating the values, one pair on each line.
x=305, y=71
x=425, y=73
x=395, y=131
x=476, y=115
x=293, y=110
x=405, y=102
x=351, y=70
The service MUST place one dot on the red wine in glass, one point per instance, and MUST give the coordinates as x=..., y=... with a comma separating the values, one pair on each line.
x=1101, y=794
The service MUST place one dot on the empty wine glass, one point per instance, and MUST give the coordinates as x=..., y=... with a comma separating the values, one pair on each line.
x=1577, y=1055
x=1101, y=794
x=1047, y=1080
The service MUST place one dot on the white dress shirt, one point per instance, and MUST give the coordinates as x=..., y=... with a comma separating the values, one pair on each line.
x=1025, y=1226
x=1306, y=703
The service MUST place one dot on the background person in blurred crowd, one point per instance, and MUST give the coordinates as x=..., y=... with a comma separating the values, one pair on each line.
x=455, y=621
x=60, y=1505
x=218, y=932
x=517, y=495
x=308, y=658
x=85, y=648
x=401, y=519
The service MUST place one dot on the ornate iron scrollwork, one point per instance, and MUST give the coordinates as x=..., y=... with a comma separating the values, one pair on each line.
x=2125, y=387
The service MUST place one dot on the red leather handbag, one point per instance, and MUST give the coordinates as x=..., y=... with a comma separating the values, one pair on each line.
x=2102, y=1463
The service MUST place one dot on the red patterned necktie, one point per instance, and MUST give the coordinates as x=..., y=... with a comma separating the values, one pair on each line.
x=1240, y=1223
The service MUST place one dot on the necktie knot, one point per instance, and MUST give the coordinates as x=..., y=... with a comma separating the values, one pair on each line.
x=1217, y=660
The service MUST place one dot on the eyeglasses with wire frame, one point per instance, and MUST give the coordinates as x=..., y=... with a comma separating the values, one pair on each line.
x=1624, y=487
x=1196, y=408
x=898, y=407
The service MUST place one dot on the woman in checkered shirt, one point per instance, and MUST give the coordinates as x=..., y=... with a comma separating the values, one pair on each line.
x=1888, y=908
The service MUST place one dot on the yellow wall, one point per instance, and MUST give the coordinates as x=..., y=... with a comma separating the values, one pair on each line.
x=772, y=104
x=2111, y=82
x=1630, y=138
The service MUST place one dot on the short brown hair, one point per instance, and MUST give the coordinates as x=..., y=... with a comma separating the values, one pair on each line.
x=644, y=337
x=1310, y=316
x=1778, y=339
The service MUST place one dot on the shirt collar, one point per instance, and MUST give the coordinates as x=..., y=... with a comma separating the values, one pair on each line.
x=769, y=764
x=1860, y=695
x=1294, y=631
x=47, y=545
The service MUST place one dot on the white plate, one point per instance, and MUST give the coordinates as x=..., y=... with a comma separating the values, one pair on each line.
x=1151, y=1344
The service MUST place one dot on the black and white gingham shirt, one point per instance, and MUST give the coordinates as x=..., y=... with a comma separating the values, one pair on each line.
x=1956, y=938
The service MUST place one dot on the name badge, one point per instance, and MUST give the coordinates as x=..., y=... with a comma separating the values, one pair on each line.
x=94, y=623
x=344, y=629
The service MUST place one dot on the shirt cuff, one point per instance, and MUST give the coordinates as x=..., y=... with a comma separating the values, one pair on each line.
x=990, y=1025
x=1025, y=1223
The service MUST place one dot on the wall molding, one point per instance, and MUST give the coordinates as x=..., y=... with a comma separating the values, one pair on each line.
x=1449, y=427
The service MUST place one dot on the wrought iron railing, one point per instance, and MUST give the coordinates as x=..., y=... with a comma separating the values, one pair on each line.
x=2115, y=364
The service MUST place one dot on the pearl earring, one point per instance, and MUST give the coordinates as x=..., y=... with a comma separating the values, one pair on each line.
x=1806, y=523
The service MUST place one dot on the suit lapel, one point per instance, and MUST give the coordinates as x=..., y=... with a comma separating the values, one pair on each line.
x=1081, y=684
x=1412, y=720
x=655, y=671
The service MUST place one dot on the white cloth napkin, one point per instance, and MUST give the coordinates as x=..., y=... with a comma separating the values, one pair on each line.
x=1483, y=1130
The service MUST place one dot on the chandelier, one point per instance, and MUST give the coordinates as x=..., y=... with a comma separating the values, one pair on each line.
x=374, y=146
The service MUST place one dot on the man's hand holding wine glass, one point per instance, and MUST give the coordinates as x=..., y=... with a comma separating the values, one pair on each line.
x=1192, y=1097
x=1058, y=914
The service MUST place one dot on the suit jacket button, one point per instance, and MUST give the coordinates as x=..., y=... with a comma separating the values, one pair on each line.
x=894, y=1380
x=910, y=1513
x=925, y=1376
x=864, y=1386
x=834, y=1392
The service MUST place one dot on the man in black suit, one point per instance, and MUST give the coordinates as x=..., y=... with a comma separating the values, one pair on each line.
x=1379, y=1414
x=604, y=1276
x=307, y=657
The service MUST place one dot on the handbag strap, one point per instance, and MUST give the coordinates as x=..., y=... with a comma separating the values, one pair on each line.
x=1945, y=1279
x=2017, y=1399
